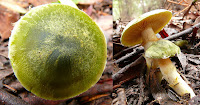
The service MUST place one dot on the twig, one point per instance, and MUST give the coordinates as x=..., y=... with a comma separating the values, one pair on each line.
x=182, y=33
x=10, y=88
x=176, y=3
x=182, y=10
x=9, y=99
x=123, y=52
x=87, y=99
x=189, y=7
x=132, y=54
x=127, y=72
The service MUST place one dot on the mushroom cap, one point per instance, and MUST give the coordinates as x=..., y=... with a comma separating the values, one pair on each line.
x=57, y=51
x=162, y=49
x=156, y=19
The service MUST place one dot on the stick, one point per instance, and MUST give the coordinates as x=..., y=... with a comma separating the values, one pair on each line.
x=132, y=54
x=182, y=33
x=128, y=71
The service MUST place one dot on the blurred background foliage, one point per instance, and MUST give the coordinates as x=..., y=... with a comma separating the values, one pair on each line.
x=127, y=10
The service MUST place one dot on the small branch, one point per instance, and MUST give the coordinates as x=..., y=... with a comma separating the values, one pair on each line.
x=182, y=33
x=123, y=52
x=189, y=7
x=128, y=72
x=132, y=54
x=10, y=88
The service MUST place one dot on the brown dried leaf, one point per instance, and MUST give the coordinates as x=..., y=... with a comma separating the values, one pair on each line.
x=16, y=85
x=34, y=100
x=105, y=22
x=183, y=60
x=101, y=87
x=7, y=18
x=89, y=2
x=121, y=97
x=4, y=73
x=186, y=25
x=89, y=10
x=197, y=20
x=40, y=2
x=13, y=7
x=21, y=3
x=195, y=100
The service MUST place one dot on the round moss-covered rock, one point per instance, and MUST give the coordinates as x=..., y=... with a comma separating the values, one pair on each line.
x=162, y=49
x=57, y=51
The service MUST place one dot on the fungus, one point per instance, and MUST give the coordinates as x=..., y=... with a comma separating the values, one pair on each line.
x=57, y=51
x=157, y=52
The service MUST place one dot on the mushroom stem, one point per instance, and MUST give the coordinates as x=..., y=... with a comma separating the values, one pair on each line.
x=174, y=79
x=148, y=36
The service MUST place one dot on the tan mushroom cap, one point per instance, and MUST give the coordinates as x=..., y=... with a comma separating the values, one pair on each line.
x=156, y=19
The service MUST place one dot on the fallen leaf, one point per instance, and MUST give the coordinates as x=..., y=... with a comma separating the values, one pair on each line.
x=13, y=7
x=89, y=10
x=7, y=18
x=5, y=73
x=40, y=2
x=183, y=60
x=121, y=97
x=195, y=100
x=105, y=22
x=88, y=2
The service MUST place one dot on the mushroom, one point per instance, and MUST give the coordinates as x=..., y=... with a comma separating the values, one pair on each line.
x=143, y=31
x=160, y=51
x=57, y=51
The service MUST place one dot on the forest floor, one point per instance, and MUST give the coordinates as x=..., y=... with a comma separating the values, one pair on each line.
x=129, y=76
x=12, y=92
